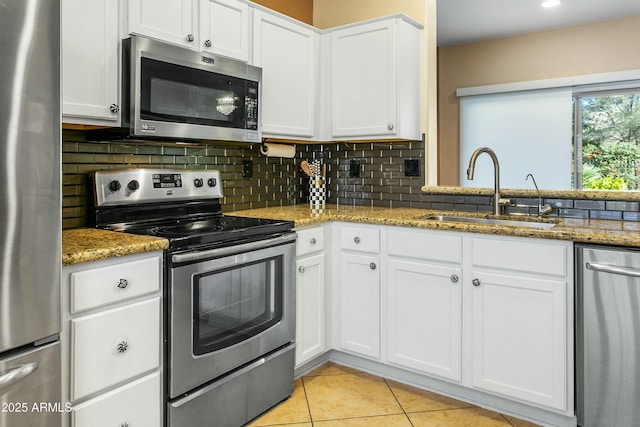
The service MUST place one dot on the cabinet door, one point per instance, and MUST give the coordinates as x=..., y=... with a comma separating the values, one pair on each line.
x=90, y=61
x=309, y=308
x=360, y=304
x=424, y=309
x=172, y=21
x=519, y=337
x=287, y=53
x=363, y=80
x=224, y=28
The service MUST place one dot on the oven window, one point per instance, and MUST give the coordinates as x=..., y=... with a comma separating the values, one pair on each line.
x=235, y=304
x=174, y=93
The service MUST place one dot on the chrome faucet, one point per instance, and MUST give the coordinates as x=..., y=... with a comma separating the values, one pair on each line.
x=497, y=201
x=542, y=209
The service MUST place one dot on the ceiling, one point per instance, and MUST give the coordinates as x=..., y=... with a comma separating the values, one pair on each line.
x=467, y=21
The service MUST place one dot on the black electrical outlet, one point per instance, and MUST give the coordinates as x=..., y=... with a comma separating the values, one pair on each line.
x=247, y=168
x=412, y=167
x=354, y=168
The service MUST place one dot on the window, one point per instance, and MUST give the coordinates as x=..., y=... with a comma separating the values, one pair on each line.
x=607, y=140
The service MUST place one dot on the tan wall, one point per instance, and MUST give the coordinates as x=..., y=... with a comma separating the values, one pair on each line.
x=587, y=49
x=332, y=13
x=302, y=10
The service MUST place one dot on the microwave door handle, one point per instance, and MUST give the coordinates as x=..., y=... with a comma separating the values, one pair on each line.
x=17, y=374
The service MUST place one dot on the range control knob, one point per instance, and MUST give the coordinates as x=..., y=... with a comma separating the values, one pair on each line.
x=198, y=182
x=114, y=186
x=133, y=185
x=212, y=182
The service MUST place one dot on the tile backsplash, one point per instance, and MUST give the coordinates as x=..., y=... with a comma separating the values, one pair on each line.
x=385, y=178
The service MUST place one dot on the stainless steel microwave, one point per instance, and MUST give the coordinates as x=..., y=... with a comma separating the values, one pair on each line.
x=173, y=92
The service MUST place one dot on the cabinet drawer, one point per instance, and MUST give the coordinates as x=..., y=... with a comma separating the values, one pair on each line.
x=113, y=346
x=134, y=404
x=425, y=245
x=105, y=285
x=310, y=240
x=526, y=255
x=360, y=239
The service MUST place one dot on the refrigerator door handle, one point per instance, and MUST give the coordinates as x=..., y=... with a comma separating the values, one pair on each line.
x=604, y=268
x=17, y=374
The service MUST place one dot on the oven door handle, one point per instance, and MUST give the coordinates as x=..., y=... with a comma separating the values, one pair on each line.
x=229, y=250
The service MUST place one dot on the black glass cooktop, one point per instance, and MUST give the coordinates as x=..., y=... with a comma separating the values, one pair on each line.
x=215, y=230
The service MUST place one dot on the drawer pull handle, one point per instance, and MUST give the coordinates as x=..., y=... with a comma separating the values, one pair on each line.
x=301, y=269
x=312, y=241
x=454, y=278
x=476, y=282
x=123, y=283
x=356, y=239
x=122, y=347
x=372, y=266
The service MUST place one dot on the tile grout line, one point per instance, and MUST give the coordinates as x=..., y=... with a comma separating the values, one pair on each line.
x=306, y=399
x=398, y=401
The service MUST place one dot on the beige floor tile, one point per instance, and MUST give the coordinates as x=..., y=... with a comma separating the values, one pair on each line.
x=292, y=410
x=382, y=421
x=331, y=368
x=520, y=423
x=472, y=417
x=415, y=400
x=333, y=397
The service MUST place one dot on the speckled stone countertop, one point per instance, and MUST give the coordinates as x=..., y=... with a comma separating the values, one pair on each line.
x=91, y=244
x=608, y=232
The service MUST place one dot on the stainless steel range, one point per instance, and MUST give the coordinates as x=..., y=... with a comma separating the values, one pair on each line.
x=229, y=293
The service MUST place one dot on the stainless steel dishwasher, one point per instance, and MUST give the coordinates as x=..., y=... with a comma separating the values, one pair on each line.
x=607, y=336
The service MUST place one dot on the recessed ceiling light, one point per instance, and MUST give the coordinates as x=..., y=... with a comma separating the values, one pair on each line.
x=551, y=3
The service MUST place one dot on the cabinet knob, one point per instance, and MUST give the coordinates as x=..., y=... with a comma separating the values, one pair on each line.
x=122, y=347
x=301, y=269
x=390, y=126
x=476, y=282
x=114, y=108
x=123, y=283
x=356, y=239
x=454, y=278
x=190, y=38
x=124, y=424
x=372, y=266
x=312, y=241
x=207, y=43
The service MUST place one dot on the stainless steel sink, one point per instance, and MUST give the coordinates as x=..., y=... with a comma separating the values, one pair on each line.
x=491, y=221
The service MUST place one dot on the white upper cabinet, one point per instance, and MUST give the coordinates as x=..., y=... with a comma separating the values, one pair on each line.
x=224, y=28
x=287, y=52
x=376, y=80
x=173, y=21
x=90, y=61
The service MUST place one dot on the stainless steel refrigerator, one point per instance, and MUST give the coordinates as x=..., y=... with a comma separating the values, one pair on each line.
x=30, y=213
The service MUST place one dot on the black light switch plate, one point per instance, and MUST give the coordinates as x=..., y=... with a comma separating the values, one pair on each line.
x=412, y=167
x=247, y=168
x=354, y=168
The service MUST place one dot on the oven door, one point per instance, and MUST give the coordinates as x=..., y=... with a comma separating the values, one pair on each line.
x=228, y=307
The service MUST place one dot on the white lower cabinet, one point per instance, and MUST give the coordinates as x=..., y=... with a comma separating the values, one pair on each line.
x=359, y=294
x=424, y=313
x=520, y=317
x=112, y=341
x=130, y=405
x=489, y=313
x=310, y=295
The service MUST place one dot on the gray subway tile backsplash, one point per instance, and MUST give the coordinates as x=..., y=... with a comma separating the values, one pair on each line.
x=278, y=181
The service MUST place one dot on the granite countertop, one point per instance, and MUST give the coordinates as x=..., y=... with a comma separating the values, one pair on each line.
x=91, y=244
x=597, y=231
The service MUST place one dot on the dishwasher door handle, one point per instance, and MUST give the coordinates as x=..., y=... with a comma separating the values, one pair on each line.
x=605, y=268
